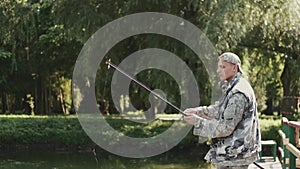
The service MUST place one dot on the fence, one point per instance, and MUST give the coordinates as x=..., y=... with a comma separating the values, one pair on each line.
x=290, y=142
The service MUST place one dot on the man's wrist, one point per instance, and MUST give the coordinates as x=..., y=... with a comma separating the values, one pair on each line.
x=198, y=126
x=198, y=123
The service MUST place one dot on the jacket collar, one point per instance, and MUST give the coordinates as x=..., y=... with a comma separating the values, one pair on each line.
x=227, y=86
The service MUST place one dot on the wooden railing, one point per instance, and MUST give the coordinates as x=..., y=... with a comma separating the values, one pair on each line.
x=290, y=142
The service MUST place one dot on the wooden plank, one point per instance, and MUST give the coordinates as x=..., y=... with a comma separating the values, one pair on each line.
x=297, y=137
x=268, y=142
x=287, y=161
x=285, y=120
x=294, y=124
x=285, y=140
x=281, y=133
x=293, y=150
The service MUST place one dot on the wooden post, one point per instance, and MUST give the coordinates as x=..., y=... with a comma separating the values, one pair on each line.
x=291, y=129
x=292, y=141
x=285, y=129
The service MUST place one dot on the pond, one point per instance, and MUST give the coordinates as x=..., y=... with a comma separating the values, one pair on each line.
x=173, y=159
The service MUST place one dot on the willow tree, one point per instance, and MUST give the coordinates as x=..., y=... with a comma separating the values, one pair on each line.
x=40, y=54
x=42, y=40
x=266, y=35
x=14, y=40
x=273, y=48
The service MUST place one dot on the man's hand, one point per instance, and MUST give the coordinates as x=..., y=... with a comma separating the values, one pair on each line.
x=189, y=117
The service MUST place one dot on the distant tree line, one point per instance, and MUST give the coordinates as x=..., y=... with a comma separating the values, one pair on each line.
x=41, y=39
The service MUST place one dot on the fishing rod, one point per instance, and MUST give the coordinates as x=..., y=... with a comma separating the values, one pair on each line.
x=110, y=64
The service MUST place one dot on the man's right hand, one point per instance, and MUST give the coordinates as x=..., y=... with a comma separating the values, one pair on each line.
x=190, y=111
x=188, y=115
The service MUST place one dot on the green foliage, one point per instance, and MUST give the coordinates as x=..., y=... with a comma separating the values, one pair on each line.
x=269, y=126
x=66, y=130
x=40, y=41
x=41, y=130
x=4, y=54
x=5, y=59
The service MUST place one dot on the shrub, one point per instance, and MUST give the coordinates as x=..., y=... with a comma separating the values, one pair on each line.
x=66, y=130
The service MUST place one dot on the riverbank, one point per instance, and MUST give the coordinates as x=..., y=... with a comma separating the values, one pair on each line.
x=64, y=133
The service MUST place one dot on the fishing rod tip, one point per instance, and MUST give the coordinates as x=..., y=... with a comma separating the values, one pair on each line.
x=108, y=63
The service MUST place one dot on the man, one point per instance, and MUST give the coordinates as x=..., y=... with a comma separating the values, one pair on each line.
x=232, y=122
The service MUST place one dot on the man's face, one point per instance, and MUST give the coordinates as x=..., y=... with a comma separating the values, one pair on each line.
x=226, y=70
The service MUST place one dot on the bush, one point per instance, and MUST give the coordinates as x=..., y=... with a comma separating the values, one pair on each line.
x=66, y=130
x=41, y=130
x=269, y=128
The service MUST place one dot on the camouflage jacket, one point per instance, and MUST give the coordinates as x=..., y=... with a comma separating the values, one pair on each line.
x=233, y=125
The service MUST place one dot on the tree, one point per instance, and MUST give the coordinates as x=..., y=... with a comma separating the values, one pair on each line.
x=41, y=40
x=263, y=33
x=40, y=52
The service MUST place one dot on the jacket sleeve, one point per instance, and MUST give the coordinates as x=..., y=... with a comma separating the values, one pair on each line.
x=223, y=127
x=208, y=112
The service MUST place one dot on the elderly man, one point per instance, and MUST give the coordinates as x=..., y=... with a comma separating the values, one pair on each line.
x=232, y=122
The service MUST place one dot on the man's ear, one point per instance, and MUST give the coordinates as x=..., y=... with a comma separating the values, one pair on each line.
x=235, y=67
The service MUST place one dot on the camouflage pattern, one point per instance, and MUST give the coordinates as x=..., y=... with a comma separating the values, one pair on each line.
x=233, y=126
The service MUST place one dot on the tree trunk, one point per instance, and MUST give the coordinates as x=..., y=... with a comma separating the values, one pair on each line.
x=285, y=80
x=40, y=95
x=4, y=102
x=269, y=109
x=61, y=99
x=45, y=97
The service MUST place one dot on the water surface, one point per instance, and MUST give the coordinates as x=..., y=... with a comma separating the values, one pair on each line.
x=174, y=159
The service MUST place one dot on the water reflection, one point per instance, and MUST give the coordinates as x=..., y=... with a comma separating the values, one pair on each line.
x=174, y=159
